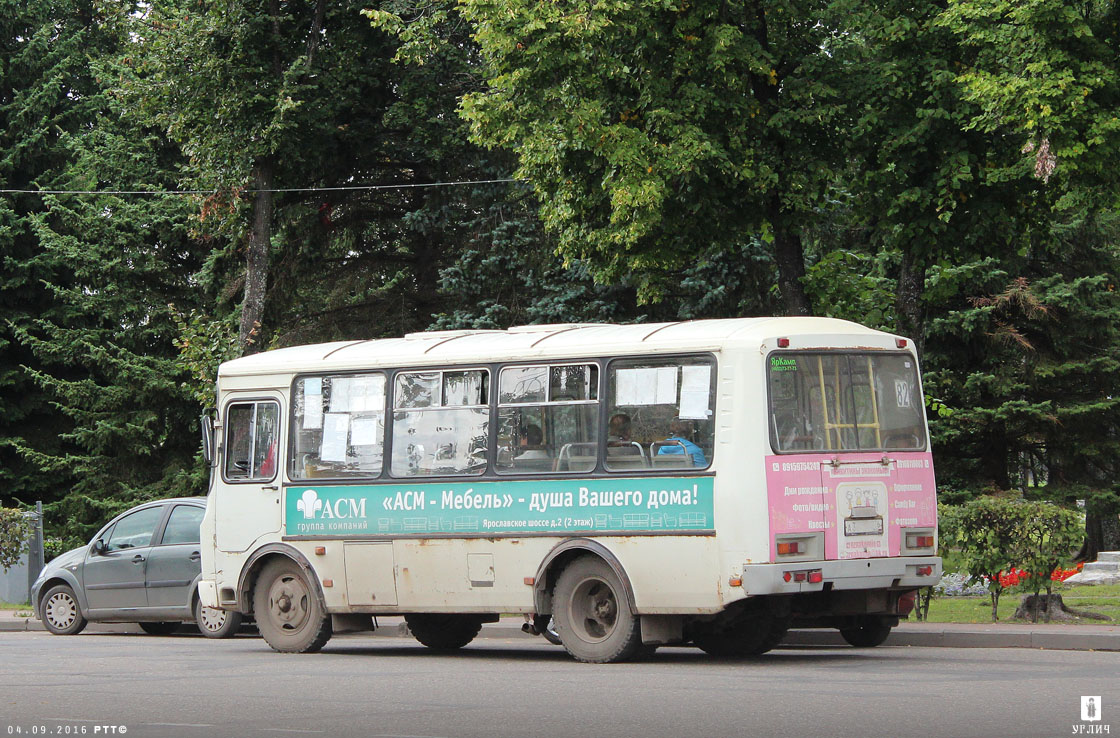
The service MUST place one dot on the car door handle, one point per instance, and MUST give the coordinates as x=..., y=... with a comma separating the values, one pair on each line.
x=195, y=556
x=137, y=559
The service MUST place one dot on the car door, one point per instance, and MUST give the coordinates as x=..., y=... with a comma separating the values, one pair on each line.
x=175, y=561
x=115, y=577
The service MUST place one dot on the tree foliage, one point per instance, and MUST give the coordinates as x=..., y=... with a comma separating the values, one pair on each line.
x=939, y=170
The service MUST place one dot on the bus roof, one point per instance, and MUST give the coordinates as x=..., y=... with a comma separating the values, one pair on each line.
x=533, y=342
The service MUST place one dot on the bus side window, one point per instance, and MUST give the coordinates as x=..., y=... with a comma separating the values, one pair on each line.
x=251, y=441
x=660, y=413
x=548, y=418
x=338, y=426
x=440, y=423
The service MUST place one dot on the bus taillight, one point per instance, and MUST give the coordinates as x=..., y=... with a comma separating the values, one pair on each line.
x=812, y=576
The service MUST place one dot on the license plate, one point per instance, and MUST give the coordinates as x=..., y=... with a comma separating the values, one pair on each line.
x=863, y=527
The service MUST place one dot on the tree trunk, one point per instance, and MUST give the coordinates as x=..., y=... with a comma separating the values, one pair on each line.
x=911, y=284
x=1102, y=532
x=256, y=259
x=789, y=254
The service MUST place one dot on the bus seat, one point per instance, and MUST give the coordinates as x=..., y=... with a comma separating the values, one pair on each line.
x=672, y=461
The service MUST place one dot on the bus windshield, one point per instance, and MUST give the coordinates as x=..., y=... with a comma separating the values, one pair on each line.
x=840, y=401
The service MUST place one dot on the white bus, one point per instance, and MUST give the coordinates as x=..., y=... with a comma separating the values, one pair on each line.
x=709, y=482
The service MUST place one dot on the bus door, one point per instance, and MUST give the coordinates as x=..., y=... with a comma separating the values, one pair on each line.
x=248, y=500
x=857, y=488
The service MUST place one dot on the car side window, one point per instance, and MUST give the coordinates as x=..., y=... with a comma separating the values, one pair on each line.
x=134, y=530
x=183, y=525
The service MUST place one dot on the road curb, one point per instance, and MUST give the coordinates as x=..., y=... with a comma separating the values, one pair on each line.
x=1014, y=635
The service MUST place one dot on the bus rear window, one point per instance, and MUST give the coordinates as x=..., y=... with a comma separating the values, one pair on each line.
x=844, y=402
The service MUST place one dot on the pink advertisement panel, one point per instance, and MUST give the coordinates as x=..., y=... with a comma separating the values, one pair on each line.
x=859, y=501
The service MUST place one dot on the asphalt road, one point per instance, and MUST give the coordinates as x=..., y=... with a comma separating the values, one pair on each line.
x=139, y=685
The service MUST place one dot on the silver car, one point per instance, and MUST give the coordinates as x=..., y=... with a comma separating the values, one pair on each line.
x=143, y=567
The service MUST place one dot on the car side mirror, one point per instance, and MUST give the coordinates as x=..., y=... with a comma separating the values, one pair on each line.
x=99, y=547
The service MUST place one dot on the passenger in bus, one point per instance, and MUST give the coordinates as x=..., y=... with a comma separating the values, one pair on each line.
x=532, y=445
x=619, y=442
x=679, y=443
x=618, y=429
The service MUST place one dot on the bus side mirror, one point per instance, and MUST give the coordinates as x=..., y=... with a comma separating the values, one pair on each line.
x=207, y=439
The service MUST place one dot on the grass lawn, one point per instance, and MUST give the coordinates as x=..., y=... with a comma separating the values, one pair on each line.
x=1103, y=599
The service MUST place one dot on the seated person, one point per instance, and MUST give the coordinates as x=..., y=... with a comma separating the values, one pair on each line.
x=678, y=443
x=618, y=436
x=531, y=445
x=618, y=429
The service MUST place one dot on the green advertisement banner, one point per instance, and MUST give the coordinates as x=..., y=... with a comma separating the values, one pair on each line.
x=484, y=507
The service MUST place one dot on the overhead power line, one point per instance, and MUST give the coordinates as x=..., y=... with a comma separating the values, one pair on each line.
x=256, y=191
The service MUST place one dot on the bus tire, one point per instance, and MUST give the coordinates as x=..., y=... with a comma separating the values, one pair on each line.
x=61, y=614
x=748, y=637
x=443, y=632
x=215, y=623
x=870, y=631
x=593, y=617
x=289, y=614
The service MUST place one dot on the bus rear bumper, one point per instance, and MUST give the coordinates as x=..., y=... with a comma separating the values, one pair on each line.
x=902, y=572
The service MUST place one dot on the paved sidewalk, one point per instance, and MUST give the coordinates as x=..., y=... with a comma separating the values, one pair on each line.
x=944, y=635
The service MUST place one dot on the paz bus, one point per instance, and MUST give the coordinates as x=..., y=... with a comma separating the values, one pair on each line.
x=709, y=482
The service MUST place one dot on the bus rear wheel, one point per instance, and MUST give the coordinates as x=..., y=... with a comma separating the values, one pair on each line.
x=868, y=632
x=289, y=614
x=746, y=637
x=443, y=632
x=593, y=618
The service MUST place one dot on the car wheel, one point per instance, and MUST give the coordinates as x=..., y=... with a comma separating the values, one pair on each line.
x=215, y=623
x=61, y=613
x=159, y=629
x=287, y=609
x=546, y=626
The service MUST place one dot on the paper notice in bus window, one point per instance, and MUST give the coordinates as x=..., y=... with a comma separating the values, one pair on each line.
x=363, y=432
x=312, y=411
x=335, y=428
x=367, y=394
x=626, y=387
x=666, y=385
x=340, y=395
x=696, y=385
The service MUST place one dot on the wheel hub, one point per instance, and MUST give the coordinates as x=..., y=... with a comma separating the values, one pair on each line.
x=60, y=611
x=288, y=603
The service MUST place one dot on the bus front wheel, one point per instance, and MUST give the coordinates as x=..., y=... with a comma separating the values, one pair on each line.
x=593, y=619
x=443, y=632
x=289, y=615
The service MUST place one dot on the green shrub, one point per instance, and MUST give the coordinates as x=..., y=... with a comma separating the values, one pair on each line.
x=15, y=536
x=995, y=535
